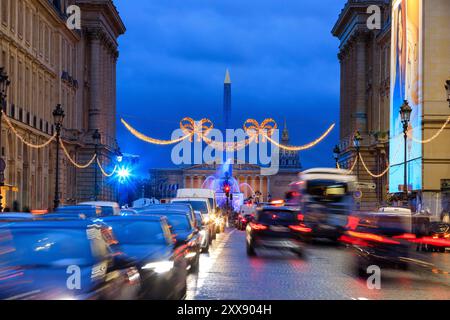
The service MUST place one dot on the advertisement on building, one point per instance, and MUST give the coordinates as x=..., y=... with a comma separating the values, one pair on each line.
x=406, y=84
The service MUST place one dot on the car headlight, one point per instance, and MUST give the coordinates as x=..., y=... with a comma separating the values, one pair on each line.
x=159, y=267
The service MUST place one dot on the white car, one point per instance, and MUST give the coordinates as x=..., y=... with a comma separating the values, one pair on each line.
x=108, y=208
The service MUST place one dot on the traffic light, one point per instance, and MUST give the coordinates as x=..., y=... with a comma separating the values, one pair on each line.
x=226, y=190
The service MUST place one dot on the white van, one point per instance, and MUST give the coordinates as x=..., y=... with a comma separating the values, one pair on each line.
x=199, y=193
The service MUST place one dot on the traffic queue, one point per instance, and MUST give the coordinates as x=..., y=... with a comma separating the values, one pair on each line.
x=319, y=206
x=97, y=251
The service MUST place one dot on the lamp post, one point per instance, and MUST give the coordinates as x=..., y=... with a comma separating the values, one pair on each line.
x=357, y=143
x=58, y=117
x=96, y=137
x=119, y=158
x=4, y=84
x=405, y=116
x=336, y=153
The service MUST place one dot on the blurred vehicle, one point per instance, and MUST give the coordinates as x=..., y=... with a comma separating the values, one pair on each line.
x=276, y=227
x=440, y=232
x=187, y=237
x=202, y=205
x=203, y=228
x=142, y=202
x=169, y=207
x=62, y=260
x=147, y=240
x=379, y=238
x=325, y=199
x=108, y=208
x=246, y=214
x=81, y=211
x=199, y=193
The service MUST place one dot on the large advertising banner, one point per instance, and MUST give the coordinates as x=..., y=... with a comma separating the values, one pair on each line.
x=406, y=84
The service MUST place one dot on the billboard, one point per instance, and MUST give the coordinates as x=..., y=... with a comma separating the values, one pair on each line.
x=406, y=84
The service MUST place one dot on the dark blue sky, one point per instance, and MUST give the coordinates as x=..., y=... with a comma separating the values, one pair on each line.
x=281, y=55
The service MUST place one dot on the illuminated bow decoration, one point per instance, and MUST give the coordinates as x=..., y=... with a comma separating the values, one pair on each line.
x=265, y=129
x=199, y=128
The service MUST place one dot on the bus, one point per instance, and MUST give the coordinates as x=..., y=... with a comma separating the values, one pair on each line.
x=325, y=198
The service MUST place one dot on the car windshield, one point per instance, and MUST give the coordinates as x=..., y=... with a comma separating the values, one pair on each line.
x=272, y=216
x=42, y=247
x=327, y=190
x=179, y=222
x=196, y=205
x=138, y=232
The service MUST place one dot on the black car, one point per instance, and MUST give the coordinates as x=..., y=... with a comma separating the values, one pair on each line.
x=148, y=242
x=187, y=236
x=276, y=227
x=61, y=260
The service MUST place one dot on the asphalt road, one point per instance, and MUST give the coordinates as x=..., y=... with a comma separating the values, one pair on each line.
x=322, y=273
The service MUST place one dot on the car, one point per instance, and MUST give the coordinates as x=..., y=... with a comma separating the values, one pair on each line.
x=48, y=259
x=187, y=236
x=147, y=240
x=81, y=211
x=199, y=193
x=209, y=215
x=246, y=215
x=276, y=227
x=203, y=228
x=380, y=238
x=172, y=207
x=108, y=208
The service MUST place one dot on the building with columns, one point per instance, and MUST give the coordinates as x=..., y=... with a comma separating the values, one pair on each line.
x=364, y=57
x=367, y=104
x=49, y=64
x=164, y=183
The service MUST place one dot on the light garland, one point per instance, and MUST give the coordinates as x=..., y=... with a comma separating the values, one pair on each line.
x=145, y=138
x=103, y=170
x=371, y=173
x=434, y=136
x=29, y=144
x=304, y=147
x=79, y=166
x=201, y=129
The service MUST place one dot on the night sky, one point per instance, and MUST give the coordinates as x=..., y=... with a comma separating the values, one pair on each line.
x=280, y=53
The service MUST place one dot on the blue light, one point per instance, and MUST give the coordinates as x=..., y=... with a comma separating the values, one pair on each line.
x=123, y=174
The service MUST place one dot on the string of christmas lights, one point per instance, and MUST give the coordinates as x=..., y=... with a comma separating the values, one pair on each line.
x=304, y=147
x=79, y=166
x=145, y=138
x=435, y=135
x=103, y=170
x=29, y=144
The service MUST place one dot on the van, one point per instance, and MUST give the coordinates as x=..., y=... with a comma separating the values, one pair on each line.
x=199, y=193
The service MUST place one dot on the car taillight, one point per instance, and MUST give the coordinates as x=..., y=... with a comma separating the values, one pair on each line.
x=258, y=227
x=300, y=217
x=371, y=237
x=406, y=236
x=244, y=220
x=352, y=223
x=301, y=228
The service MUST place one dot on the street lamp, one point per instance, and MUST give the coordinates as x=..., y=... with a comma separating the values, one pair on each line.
x=96, y=137
x=4, y=84
x=58, y=117
x=357, y=143
x=405, y=116
x=336, y=153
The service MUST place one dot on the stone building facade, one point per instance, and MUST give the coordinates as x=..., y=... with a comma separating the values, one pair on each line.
x=364, y=57
x=49, y=64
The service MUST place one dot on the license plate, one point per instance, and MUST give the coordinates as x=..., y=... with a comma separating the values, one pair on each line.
x=279, y=229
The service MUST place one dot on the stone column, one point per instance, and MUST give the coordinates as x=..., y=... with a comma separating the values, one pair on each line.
x=360, y=97
x=95, y=102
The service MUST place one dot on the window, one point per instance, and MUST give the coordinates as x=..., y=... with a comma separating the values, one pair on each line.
x=5, y=7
